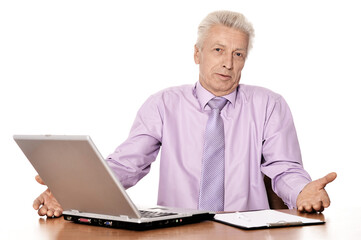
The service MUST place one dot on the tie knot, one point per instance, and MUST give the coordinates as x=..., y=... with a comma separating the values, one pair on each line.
x=217, y=103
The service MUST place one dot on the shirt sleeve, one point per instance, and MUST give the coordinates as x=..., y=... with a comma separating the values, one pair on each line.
x=131, y=160
x=282, y=160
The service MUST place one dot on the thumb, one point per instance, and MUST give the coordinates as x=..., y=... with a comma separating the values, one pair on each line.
x=39, y=180
x=327, y=179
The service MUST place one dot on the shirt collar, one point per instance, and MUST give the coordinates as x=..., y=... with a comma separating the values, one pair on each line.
x=204, y=95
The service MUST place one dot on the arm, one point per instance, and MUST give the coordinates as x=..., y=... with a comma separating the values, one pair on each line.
x=281, y=152
x=131, y=160
x=283, y=163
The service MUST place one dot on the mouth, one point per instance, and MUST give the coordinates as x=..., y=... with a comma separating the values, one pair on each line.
x=223, y=76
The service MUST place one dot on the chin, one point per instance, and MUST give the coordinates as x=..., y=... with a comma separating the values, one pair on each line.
x=227, y=88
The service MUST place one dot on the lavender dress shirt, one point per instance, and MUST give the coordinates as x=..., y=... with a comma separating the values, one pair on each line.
x=260, y=139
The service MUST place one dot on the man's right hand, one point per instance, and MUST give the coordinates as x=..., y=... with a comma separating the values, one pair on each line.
x=46, y=204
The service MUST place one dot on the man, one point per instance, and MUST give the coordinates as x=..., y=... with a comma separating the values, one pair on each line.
x=253, y=130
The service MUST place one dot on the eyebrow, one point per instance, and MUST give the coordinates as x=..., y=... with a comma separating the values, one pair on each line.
x=237, y=49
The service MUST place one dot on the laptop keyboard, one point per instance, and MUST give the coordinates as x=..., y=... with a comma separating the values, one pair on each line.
x=151, y=214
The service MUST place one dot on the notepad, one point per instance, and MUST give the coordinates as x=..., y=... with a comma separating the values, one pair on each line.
x=263, y=219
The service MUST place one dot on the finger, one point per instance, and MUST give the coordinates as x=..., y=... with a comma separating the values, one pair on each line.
x=326, y=201
x=38, y=202
x=331, y=177
x=39, y=180
x=321, y=210
x=327, y=179
x=318, y=206
x=58, y=213
x=304, y=207
x=308, y=208
x=43, y=210
x=300, y=208
x=50, y=212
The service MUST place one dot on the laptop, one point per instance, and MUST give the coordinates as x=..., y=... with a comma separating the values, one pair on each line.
x=87, y=189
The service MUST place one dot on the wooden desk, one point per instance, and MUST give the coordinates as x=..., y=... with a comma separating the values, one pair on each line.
x=339, y=225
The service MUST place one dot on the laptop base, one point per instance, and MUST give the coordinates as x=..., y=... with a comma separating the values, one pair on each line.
x=139, y=226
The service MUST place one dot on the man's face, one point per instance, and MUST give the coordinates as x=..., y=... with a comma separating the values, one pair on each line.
x=221, y=59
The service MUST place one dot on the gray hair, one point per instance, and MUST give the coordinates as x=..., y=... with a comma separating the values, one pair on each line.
x=226, y=18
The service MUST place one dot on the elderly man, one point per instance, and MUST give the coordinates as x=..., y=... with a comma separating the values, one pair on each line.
x=218, y=137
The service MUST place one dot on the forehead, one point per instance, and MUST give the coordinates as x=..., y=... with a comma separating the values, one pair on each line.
x=226, y=36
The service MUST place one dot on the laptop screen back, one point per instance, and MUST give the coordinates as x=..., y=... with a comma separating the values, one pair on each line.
x=76, y=174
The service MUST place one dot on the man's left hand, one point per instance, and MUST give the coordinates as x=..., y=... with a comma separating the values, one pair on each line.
x=313, y=197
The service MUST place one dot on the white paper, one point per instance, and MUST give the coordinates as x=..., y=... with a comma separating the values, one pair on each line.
x=263, y=218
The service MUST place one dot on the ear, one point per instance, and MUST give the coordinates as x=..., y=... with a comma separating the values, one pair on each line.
x=196, y=54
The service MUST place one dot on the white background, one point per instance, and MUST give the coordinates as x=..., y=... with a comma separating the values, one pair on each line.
x=85, y=67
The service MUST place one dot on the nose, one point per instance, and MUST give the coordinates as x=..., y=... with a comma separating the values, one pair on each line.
x=228, y=61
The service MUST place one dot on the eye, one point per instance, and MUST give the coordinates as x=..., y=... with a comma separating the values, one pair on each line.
x=238, y=54
x=218, y=49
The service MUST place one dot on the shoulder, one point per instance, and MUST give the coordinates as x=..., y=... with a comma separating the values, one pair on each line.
x=167, y=98
x=250, y=92
x=261, y=98
x=175, y=93
x=176, y=90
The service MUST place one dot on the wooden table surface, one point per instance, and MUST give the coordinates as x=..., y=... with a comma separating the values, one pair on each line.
x=340, y=224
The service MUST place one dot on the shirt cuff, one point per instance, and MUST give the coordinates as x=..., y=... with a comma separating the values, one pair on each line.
x=289, y=189
x=294, y=194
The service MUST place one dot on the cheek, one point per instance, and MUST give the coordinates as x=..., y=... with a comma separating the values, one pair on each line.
x=210, y=60
x=206, y=67
x=239, y=68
